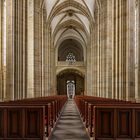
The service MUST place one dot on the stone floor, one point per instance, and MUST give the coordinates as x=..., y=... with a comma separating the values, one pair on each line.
x=69, y=125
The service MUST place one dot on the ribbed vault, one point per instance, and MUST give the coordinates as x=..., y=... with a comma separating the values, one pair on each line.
x=70, y=25
x=70, y=17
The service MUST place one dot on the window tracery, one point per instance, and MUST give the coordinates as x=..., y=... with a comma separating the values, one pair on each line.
x=70, y=58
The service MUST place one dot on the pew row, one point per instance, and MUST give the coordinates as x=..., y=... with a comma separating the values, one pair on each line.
x=52, y=107
x=22, y=122
x=116, y=123
x=84, y=103
x=98, y=123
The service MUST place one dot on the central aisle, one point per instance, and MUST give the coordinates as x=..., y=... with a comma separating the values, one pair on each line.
x=70, y=125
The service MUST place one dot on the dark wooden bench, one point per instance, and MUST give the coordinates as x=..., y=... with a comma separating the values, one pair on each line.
x=56, y=103
x=52, y=108
x=83, y=104
x=22, y=123
x=87, y=105
x=116, y=122
x=91, y=113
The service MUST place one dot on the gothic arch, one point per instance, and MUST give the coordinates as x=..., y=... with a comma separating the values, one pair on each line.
x=71, y=24
x=66, y=4
x=70, y=75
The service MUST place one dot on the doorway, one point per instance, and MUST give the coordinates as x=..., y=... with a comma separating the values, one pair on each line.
x=70, y=83
x=70, y=89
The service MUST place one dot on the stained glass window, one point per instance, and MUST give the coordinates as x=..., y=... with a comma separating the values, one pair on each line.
x=70, y=58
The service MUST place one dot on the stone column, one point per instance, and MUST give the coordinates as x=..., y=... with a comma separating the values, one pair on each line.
x=24, y=50
x=51, y=64
x=95, y=39
x=17, y=48
x=1, y=81
x=10, y=50
x=119, y=50
x=122, y=56
x=45, y=63
x=53, y=76
x=102, y=42
x=109, y=48
x=130, y=65
x=137, y=53
x=98, y=55
x=138, y=38
x=94, y=58
x=104, y=47
x=37, y=48
x=116, y=51
x=121, y=39
x=20, y=44
x=30, y=50
x=46, y=54
x=89, y=71
x=43, y=50
x=44, y=58
x=96, y=51
x=49, y=61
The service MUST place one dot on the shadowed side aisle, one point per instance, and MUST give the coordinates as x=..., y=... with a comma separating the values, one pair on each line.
x=69, y=125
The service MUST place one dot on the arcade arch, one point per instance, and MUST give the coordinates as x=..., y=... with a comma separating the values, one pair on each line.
x=70, y=82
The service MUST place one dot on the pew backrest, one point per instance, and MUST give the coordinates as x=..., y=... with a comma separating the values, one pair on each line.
x=116, y=122
x=22, y=122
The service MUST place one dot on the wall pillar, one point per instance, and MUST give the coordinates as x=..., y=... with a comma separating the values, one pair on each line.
x=30, y=50
x=109, y=48
x=10, y=50
x=89, y=71
x=1, y=81
x=130, y=65
x=137, y=50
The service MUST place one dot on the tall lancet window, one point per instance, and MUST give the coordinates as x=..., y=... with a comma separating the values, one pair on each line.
x=4, y=33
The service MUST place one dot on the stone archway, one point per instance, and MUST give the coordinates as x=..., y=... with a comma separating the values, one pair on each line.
x=70, y=46
x=68, y=76
x=70, y=67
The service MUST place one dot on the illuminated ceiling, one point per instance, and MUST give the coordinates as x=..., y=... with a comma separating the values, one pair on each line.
x=70, y=19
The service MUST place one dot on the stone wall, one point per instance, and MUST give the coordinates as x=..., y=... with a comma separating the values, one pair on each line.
x=10, y=50
x=113, y=69
x=19, y=48
x=38, y=12
x=137, y=63
x=1, y=87
x=24, y=36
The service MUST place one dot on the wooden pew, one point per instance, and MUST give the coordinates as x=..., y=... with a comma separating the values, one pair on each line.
x=22, y=122
x=87, y=104
x=90, y=103
x=52, y=108
x=91, y=115
x=59, y=101
x=83, y=105
x=116, y=123
x=56, y=102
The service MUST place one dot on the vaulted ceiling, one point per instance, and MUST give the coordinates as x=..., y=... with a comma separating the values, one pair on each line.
x=70, y=19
